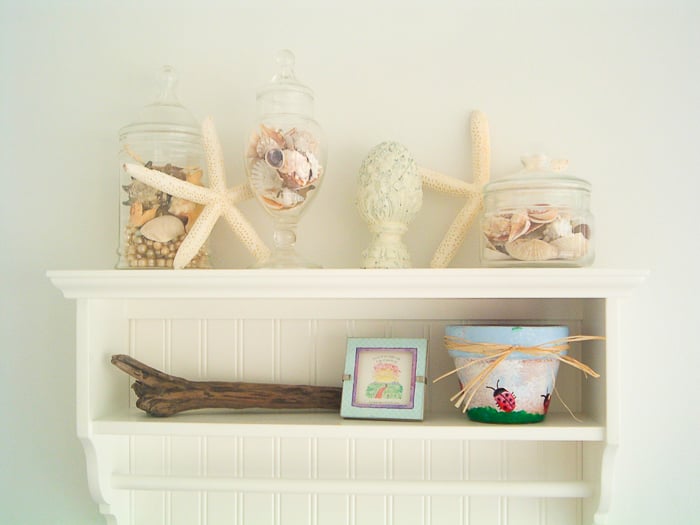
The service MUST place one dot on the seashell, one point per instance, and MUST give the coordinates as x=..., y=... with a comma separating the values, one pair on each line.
x=274, y=134
x=531, y=250
x=283, y=199
x=181, y=207
x=571, y=247
x=138, y=217
x=519, y=226
x=186, y=210
x=491, y=254
x=263, y=145
x=496, y=228
x=544, y=214
x=300, y=140
x=147, y=195
x=296, y=169
x=194, y=176
x=163, y=229
x=264, y=179
x=584, y=229
x=560, y=227
x=314, y=168
x=274, y=158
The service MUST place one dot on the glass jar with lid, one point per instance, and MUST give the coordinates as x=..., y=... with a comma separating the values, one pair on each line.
x=285, y=158
x=166, y=137
x=539, y=216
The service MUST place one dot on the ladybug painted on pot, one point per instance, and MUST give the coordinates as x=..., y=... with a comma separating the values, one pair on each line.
x=504, y=399
x=547, y=399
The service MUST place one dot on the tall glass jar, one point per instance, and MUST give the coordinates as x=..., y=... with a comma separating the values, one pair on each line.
x=165, y=137
x=539, y=216
x=285, y=158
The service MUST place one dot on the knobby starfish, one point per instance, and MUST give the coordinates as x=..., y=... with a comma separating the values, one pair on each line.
x=217, y=200
x=473, y=192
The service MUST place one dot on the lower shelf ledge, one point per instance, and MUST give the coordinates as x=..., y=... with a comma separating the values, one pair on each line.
x=524, y=489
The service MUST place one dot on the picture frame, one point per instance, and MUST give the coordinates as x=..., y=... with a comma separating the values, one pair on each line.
x=384, y=378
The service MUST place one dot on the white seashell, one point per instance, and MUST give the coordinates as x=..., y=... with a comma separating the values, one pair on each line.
x=264, y=179
x=491, y=254
x=571, y=247
x=560, y=227
x=283, y=199
x=296, y=170
x=531, y=250
x=163, y=229
x=315, y=168
x=300, y=140
x=265, y=143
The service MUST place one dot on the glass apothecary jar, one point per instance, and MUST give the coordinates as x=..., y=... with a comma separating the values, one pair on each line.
x=539, y=216
x=285, y=158
x=166, y=137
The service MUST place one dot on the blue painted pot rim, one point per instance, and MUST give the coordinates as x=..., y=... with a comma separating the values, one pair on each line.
x=517, y=335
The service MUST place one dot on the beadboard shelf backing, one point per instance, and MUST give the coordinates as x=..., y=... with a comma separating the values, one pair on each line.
x=290, y=326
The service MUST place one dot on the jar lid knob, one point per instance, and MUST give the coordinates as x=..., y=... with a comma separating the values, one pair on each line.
x=544, y=163
x=285, y=61
x=167, y=93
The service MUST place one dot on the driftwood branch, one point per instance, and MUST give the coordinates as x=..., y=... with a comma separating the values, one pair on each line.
x=160, y=394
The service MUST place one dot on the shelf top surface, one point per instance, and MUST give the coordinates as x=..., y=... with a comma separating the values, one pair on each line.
x=555, y=427
x=350, y=283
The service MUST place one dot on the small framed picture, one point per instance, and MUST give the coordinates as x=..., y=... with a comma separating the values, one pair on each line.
x=384, y=378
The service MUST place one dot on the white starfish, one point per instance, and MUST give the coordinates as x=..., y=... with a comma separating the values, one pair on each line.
x=473, y=192
x=217, y=200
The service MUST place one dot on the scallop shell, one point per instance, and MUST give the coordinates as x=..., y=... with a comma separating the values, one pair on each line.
x=531, y=250
x=274, y=134
x=163, y=229
x=571, y=247
x=264, y=179
x=263, y=145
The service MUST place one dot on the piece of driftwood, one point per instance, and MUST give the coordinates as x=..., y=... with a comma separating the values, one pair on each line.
x=160, y=394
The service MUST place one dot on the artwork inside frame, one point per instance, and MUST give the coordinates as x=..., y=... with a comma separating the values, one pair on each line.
x=384, y=378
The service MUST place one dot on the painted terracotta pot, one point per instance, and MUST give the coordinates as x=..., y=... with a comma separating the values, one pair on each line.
x=519, y=389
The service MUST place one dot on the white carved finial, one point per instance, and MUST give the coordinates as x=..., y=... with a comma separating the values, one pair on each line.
x=389, y=195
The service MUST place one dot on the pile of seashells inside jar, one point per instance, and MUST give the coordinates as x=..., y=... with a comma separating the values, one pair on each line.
x=283, y=166
x=537, y=217
x=158, y=222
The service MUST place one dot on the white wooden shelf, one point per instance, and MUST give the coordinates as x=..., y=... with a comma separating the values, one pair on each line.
x=556, y=427
x=349, y=283
x=290, y=326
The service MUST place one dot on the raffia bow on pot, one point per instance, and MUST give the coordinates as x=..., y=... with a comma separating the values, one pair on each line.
x=495, y=353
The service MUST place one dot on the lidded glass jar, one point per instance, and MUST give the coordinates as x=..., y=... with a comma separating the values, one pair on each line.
x=539, y=216
x=166, y=137
x=285, y=157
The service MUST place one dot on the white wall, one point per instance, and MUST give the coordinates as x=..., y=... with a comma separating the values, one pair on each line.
x=613, y=86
